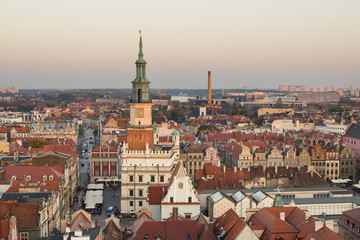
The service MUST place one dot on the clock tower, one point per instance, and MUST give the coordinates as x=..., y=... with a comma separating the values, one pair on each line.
x=140, y=130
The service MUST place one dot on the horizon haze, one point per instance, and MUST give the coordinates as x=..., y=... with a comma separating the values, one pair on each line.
x=245, y=44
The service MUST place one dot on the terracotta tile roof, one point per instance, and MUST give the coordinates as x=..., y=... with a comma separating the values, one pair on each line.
x=36, y=172
x=309, y=179
x=231, y=223
x=44, y=186
x=192, y=149
x=112, y=232
x=27, y=214
x=324, y=233
x=270, y=218
x=155, y=194
x=65, y=149
x=175, y=230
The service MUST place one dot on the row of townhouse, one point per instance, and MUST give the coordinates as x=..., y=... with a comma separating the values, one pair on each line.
x=329, y=160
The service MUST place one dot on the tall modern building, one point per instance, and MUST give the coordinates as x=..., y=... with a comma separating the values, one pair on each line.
x=143, y=163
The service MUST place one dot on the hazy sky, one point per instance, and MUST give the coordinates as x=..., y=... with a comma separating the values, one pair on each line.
x=254, y=43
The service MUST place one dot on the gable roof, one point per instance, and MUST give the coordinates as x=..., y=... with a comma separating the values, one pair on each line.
x=324, y=233
x=229, y=222
x=80, y=220
x=294, y=223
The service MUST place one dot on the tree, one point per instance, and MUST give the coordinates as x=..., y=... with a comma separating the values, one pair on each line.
x=336, y=109
x=280, y=138
x=96, y=130
x=37, y=143
x=235, y=109
x=81, y=130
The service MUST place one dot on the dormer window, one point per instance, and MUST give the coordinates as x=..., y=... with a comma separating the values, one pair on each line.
x=51, y=177
x=44, y=178
x=13, y=178
x=28, y=178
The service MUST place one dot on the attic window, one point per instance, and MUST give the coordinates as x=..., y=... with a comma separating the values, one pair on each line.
x=28, y=177
x=44, y=178
x=146, y=236
x=13, y=178
x=51, y=177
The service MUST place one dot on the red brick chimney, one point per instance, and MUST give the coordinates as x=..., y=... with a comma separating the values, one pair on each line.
x=175, y=213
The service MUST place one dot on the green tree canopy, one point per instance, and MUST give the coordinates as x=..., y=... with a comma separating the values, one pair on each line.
x=37, y=143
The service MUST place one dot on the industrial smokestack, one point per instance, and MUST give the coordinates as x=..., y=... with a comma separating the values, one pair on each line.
x=209, y=87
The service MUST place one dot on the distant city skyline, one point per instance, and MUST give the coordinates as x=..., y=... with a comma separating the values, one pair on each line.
x=253, y=44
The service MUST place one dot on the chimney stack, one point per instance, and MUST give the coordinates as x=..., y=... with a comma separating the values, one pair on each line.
x=282, y=216
x=175, y=213
x=209, y=87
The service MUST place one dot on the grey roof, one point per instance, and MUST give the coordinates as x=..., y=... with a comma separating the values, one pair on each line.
x=217, y=196
x=26, y=197
x=238, y=196
x=353, y=131
x=271, y=190
x=259, y=196
x=92, y=232
x=330, y=200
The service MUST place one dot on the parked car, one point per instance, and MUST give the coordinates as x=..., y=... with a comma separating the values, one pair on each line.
x=109, y=211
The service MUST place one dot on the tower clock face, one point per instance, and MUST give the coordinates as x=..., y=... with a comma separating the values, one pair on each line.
x=139, y=113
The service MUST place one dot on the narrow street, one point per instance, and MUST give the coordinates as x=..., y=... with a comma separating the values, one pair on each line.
x=111, y=194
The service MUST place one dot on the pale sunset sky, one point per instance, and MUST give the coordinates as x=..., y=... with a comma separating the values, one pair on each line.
x=254, y=44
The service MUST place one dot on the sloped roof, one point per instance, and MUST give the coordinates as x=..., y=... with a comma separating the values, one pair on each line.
x=81, y=220
x=294, y=224
x=174, y=229
x=44, y=186
x=36, y=172
x=259, y=196
x=353, y=213
x=231, y=223
x=324, y=233
x=353, y=131
x=155, y=194
x=27, y=214
x=238, y=196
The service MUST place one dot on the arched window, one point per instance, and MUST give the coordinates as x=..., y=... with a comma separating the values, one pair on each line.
x=140, y=95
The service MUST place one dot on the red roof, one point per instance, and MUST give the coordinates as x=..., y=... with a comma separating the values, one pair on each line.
x=44, y=186
x=27, y=214
x=36, y=172
x=65, y=149
x=324, y=233
x=231, y=223
x=155, y=194
x=295, y=222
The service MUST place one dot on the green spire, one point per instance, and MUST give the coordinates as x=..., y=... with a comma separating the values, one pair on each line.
x=141, y=88
x=141, y=54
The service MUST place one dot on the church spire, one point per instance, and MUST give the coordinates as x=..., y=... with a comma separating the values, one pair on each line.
x=141, y=54
x=141, y=91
